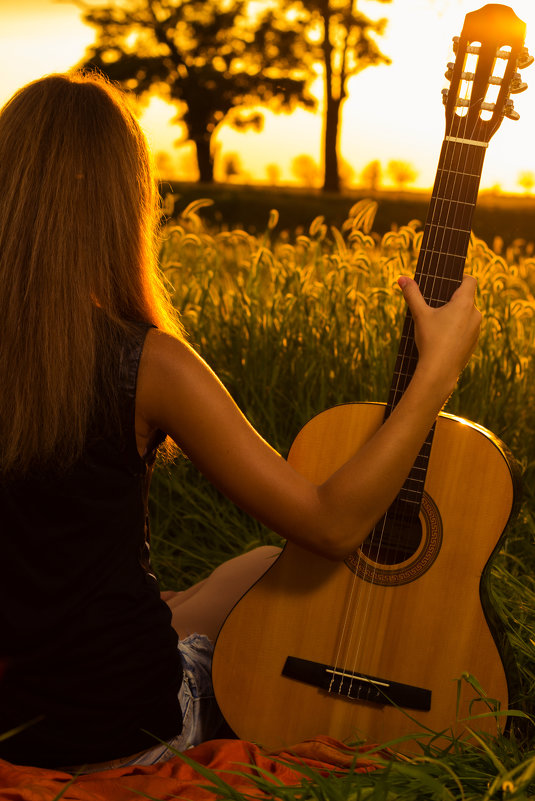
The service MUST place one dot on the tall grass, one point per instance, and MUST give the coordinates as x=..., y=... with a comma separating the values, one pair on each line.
x=294, y=324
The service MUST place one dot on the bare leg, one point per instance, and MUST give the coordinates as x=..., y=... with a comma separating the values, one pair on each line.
x=203, y=608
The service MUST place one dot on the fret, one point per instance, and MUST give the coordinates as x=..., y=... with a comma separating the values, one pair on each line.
x=451, y=201
x=410, y=500
x=458, y=157
x=406, y=362
x=417, y=474
x=446, y=264
x=441, y=252
x=418, y=468
x=456, y=188
x=413, y=484
x=415, y=501
x=442, y=227
x=441, y=172
x=436, y=302
x=453, y=215
x=447, y=279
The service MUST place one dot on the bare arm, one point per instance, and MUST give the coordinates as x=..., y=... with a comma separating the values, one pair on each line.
x=179, y=394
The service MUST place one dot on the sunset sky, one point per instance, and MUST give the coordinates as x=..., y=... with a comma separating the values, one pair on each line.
x=393, y=112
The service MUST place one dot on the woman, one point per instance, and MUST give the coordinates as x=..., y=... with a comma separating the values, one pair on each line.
x=95, y=373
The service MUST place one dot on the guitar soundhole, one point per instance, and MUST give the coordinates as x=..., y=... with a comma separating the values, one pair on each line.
x=395, y=538
x=401, y=547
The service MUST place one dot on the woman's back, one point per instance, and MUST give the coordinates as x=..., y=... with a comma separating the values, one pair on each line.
x=85, y=640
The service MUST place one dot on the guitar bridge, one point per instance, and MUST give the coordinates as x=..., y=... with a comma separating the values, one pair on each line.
x=357, y=686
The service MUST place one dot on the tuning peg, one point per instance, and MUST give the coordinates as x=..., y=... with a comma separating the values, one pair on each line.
x=517, y=84
x=524, y=59
x=445, y=93
x=510, y=112
x=455, y=45
x=449, y=71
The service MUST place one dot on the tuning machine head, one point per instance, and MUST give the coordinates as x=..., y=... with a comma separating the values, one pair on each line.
x=509, y=110
x=524, y=59
x=517, y=84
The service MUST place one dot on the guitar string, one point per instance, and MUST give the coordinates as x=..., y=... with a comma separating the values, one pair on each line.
x=458, y=164
x=407, y=348
x=473, y=160
x=408, y=345
x=377, y=532
x=470, y=156
x=450, y=231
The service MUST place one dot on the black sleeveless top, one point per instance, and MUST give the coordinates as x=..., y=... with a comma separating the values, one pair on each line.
x=88, y=657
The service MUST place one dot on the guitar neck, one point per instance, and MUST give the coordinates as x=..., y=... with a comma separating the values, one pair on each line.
x=440, y=267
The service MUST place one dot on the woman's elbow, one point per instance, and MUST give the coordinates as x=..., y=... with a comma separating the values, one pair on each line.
x=337, y=542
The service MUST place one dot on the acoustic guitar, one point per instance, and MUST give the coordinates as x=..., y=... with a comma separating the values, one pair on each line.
x=374, y=647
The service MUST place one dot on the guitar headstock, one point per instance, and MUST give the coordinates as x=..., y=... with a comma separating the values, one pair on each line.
x=488, y=53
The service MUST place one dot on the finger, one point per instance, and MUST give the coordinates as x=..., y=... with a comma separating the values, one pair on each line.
x=413, y=296
x=467, y=287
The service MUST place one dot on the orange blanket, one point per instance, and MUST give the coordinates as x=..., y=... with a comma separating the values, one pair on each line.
x=190, y=776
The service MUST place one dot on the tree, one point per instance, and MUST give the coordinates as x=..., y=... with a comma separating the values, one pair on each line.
x=306, y=170
x=342, y=38
x=232, y=166
x=371, y=175
x=212, y=59
x=401, y=172
x=273, y=174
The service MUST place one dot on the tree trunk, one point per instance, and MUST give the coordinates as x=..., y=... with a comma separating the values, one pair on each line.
x=331, y=182
x=205, y=161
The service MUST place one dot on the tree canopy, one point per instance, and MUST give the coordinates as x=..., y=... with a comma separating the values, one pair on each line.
x=214, y=60
x=222, y=60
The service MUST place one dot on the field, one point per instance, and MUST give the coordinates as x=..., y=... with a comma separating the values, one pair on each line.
x=294, y=322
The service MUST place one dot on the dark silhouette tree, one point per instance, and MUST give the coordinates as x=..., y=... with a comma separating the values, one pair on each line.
x=232, y=166
x=212, y=59
x=341, y=37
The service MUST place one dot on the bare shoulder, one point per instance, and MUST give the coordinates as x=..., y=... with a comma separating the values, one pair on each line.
x=161, y=348
x=174, y=385
x=166, y=358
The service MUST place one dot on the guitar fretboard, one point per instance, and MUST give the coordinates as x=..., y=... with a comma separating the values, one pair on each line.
x=439, y=272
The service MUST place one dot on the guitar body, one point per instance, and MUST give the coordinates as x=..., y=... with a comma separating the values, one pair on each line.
x=423, y=622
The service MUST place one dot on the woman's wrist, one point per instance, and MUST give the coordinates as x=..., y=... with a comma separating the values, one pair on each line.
x=435, y=381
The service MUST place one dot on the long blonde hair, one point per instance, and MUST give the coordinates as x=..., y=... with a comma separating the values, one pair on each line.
x=79, y=216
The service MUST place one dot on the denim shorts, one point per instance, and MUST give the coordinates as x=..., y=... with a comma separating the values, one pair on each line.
x=201, y=717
